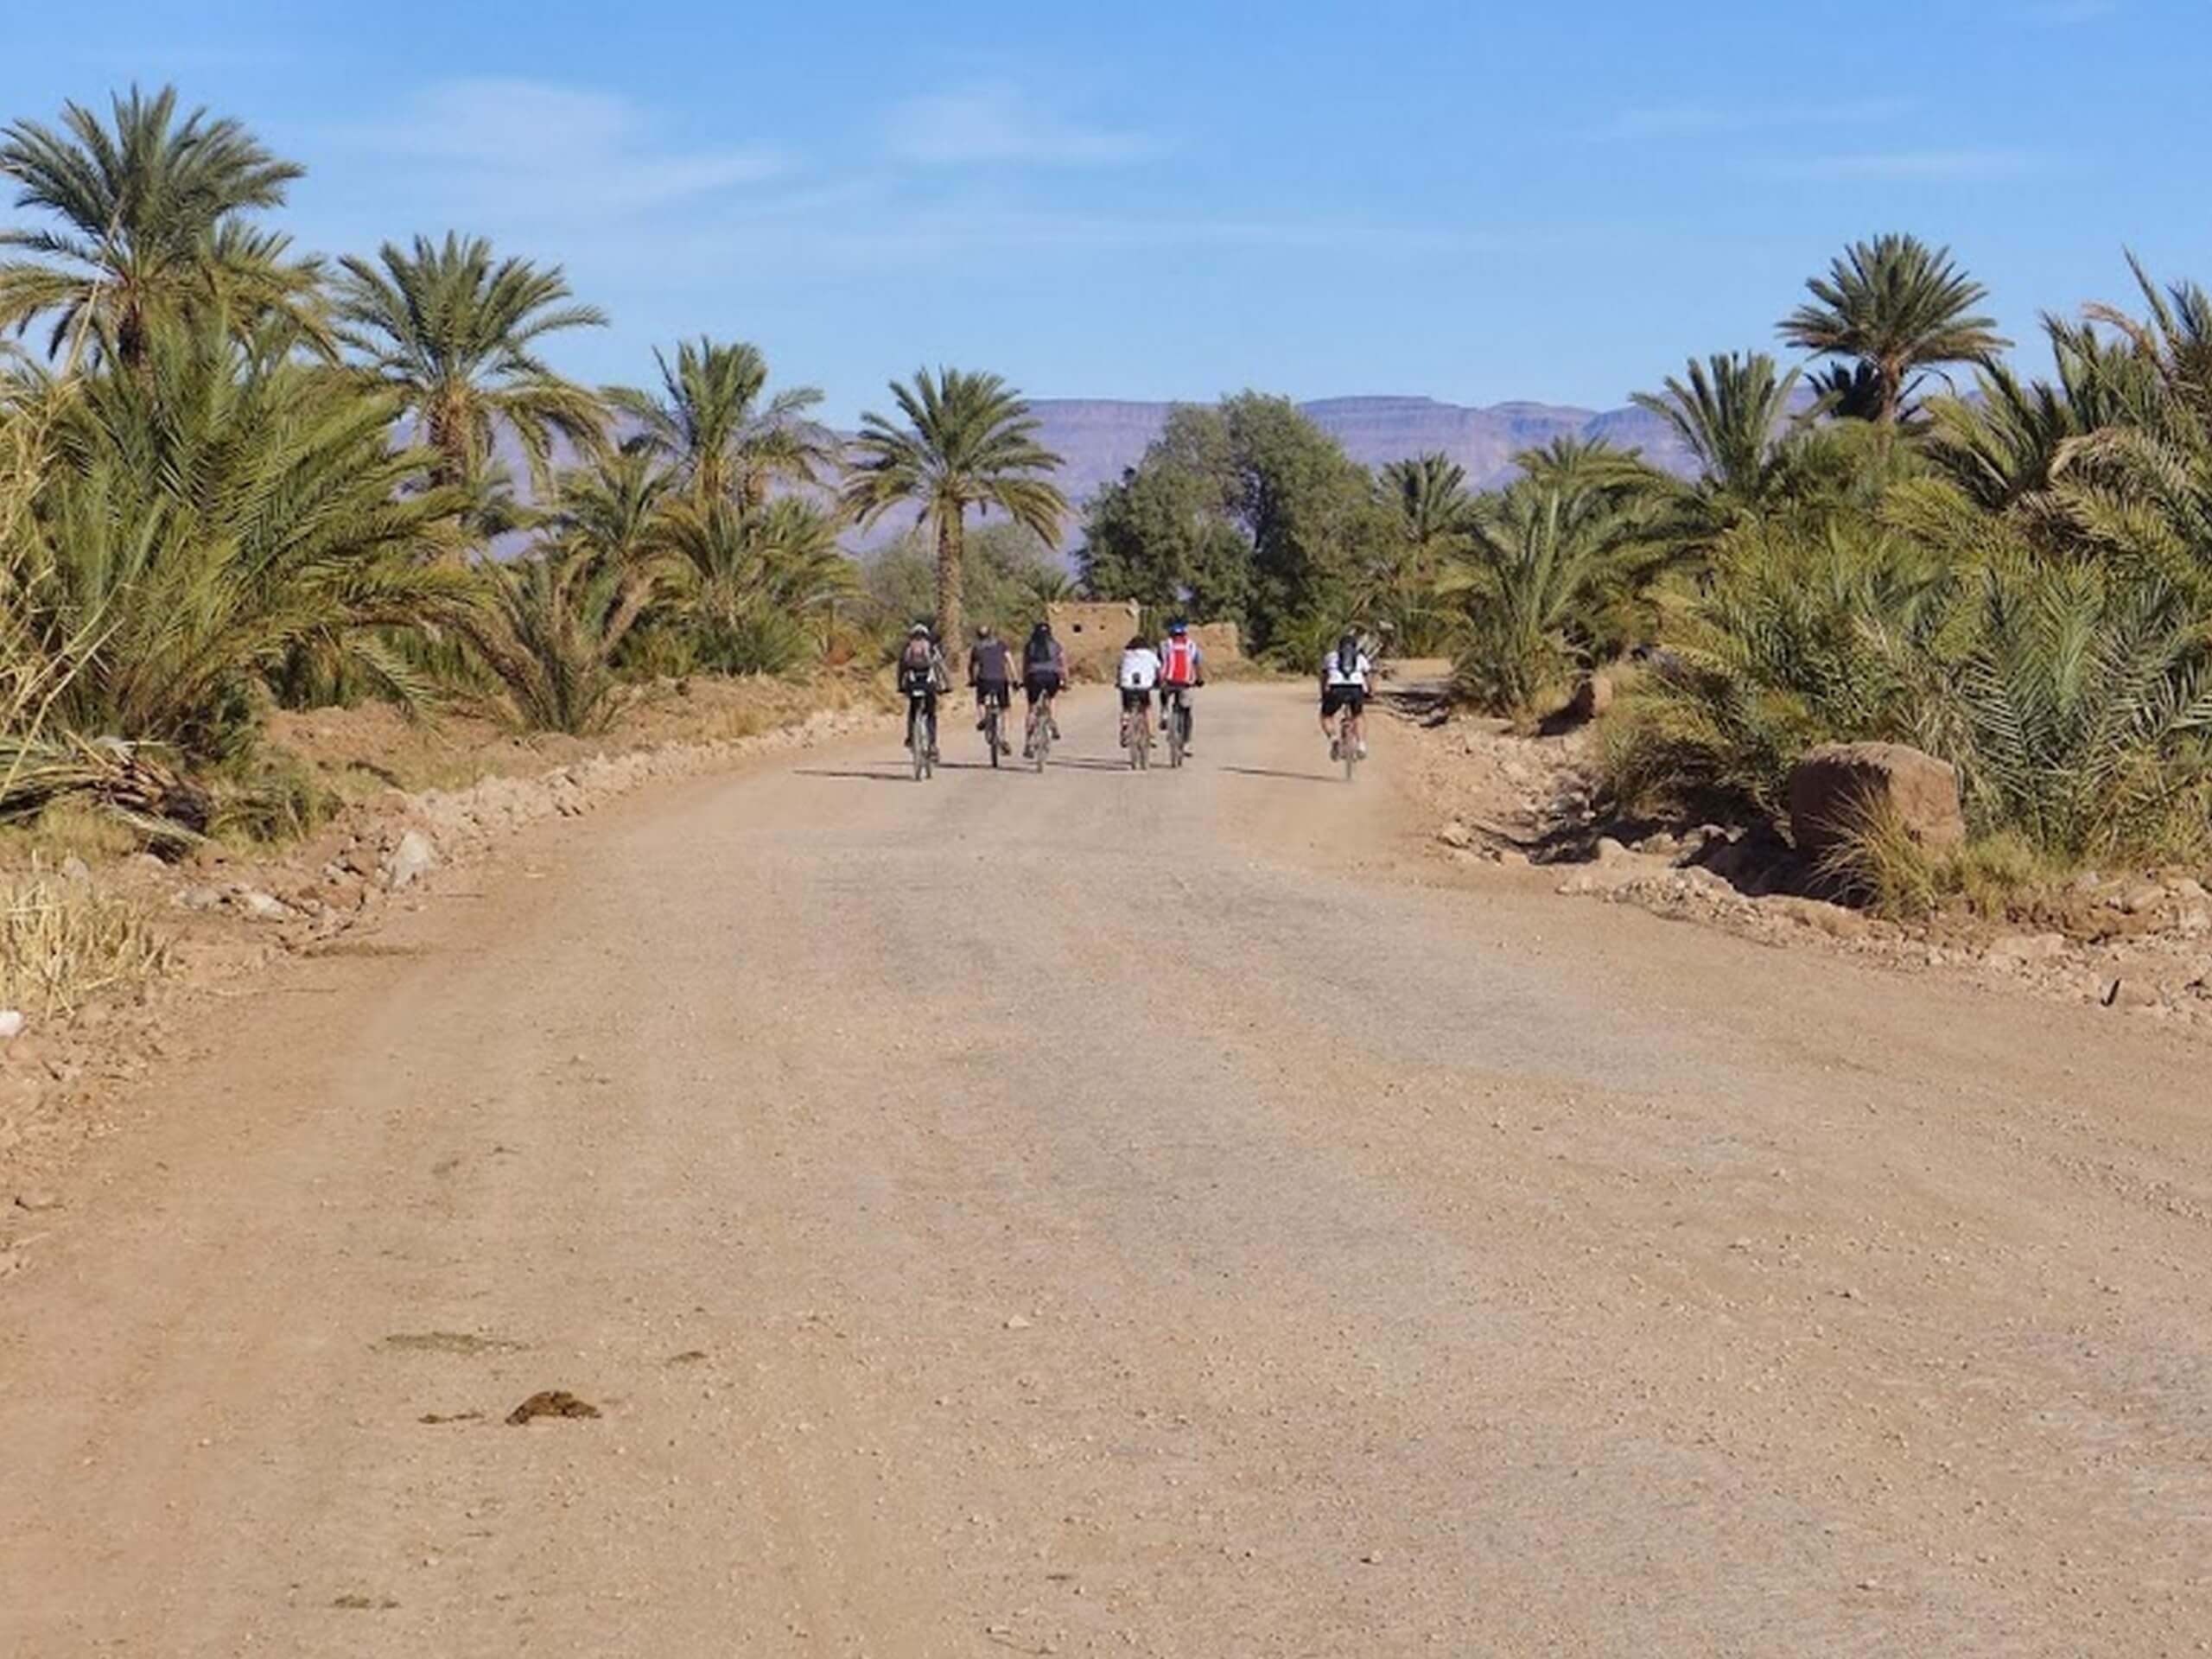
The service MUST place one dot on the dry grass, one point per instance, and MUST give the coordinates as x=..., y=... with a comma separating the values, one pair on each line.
x=354, y=754
x=1878, y=864
x=63, y=942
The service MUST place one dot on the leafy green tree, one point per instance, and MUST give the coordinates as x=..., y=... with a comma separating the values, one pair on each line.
x=1898, y=308
x=1246, y=510
x=713, y=421
x=1008, y=575
x=455, y=334
x=151, y=224
x=967, y=441
x=1163, y=535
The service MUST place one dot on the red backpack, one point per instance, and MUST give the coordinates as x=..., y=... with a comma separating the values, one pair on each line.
x=1180, y=663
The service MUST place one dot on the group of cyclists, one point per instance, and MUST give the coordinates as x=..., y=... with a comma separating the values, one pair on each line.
x=1170, y=669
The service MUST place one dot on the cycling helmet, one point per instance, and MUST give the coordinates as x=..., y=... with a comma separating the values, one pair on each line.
x=1178, y=627
x=919, y=631
x=982, y=630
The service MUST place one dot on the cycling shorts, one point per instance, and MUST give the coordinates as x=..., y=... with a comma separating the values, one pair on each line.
x=1040, y=685
x=1333, y=697
x=997, y=691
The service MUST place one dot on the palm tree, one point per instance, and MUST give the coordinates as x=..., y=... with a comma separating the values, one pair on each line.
x=1430, y=494
x=1428, y=500
x=708, y=422
x=455, y=334
x=152, y=225
x=1899, y=308
x=203, y=522
x=751, y=579
x=559, y=617
x=1731, y=412
x=1548, y=574
x=969, y=441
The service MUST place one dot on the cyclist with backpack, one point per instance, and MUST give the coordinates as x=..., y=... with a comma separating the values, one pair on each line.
x=1182, y=669
x=922, y=676
x=1137, y=676
x=1044, y=673
x=990, y=671
x=1345, y=675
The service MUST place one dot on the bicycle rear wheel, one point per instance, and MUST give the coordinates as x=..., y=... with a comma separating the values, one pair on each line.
x=991, y=731
x=1348, y=734
x=1041, y=743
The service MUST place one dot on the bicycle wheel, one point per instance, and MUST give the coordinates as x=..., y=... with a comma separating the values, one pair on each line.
x=1174, y=717
x=991, y=731
x=1349, y=733
x=917, y=743
x=1041, y=745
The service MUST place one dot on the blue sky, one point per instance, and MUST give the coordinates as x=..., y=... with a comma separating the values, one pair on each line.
x=1471, y=201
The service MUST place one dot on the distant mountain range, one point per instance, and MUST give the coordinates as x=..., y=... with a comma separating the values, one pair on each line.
x=1100, y=438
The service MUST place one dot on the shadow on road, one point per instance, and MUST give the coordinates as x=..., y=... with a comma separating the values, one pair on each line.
x=1293, y=777
x=903, y=775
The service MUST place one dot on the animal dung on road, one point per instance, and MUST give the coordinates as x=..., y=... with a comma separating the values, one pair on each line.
x=551, y=1402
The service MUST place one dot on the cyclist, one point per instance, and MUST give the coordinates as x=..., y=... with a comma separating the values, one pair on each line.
x=1345, y=675
x=1182, y=668
x=922, y=676
x=990, y=671
x=1139, y=674
x=1044, y=672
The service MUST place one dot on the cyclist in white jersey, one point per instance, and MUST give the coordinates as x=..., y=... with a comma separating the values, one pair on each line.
x=1345, y=672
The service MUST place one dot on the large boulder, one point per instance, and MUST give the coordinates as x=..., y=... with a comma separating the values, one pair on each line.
x=1836, y=786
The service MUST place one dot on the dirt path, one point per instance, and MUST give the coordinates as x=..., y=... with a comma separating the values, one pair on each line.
x=1121, y=1215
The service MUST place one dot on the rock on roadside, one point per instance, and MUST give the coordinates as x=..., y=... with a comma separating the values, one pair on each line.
x=1836, y=786
x=410, y=861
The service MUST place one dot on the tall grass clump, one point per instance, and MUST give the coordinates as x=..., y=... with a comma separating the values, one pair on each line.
x=63, y=942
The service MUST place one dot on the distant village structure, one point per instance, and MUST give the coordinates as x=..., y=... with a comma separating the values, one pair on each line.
x=1093, y=633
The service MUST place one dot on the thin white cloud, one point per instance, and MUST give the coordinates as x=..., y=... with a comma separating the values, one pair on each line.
x=994, y=121
x=535, y=151
x=1901, y=165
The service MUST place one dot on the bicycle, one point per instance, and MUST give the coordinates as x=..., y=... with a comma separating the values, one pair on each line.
x=918, y=734
x=1040, y=740
x=1351, y=731
x=1136, y=736
x=991, y=729
x=1176, y=716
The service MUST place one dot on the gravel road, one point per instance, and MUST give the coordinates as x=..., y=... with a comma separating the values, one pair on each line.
x=1098, y=1213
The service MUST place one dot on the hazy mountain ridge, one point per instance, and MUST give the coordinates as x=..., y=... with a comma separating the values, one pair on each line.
x=1099, y=438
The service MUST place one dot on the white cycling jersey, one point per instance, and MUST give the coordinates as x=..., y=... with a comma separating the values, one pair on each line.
x=1140, y=670
x=1334, y=673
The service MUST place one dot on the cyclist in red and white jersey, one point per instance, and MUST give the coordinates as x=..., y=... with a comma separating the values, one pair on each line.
x=1182, y=669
